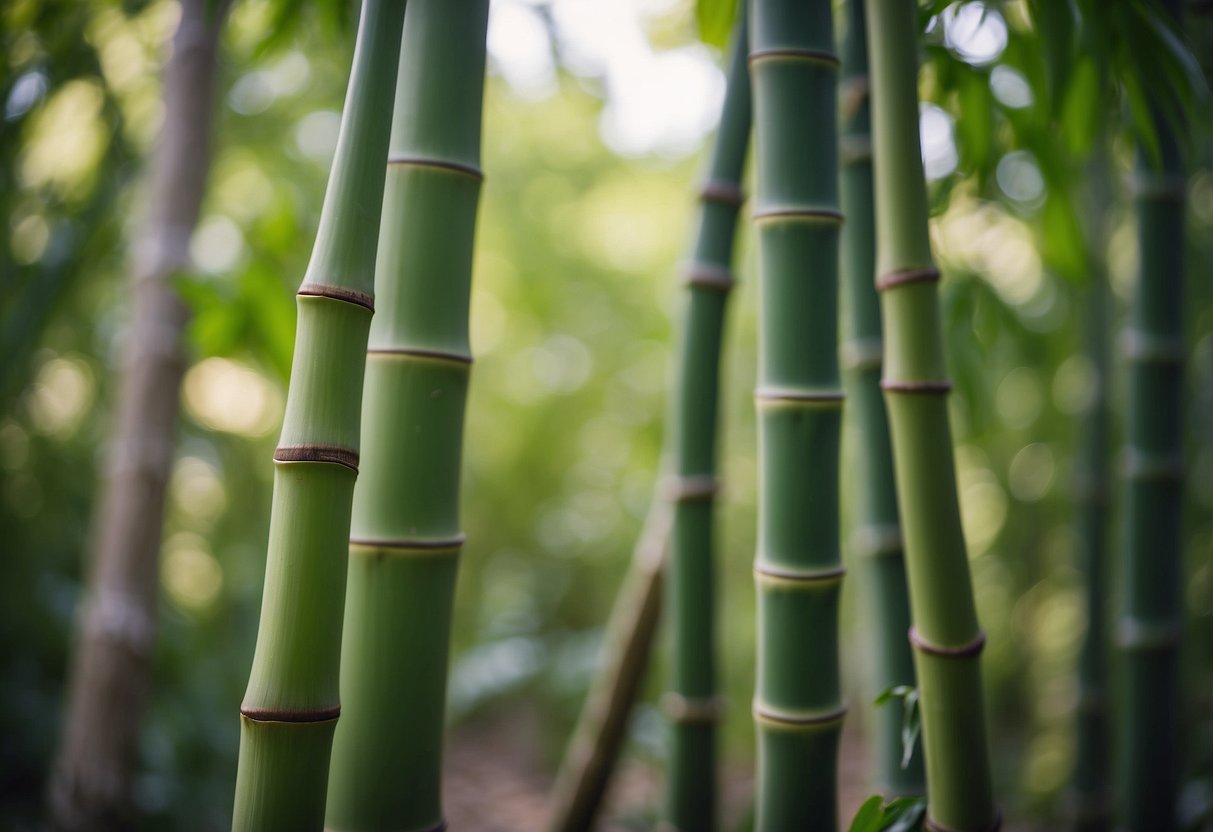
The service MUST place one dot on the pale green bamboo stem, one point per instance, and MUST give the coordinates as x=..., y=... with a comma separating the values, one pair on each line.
x=874, y=540
x=946, y=635
x=691, y=703
x=405, y=537
x=798, y=706
x=291, y=705
x=1149, y=631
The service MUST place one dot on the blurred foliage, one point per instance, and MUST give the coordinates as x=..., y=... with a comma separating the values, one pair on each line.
x=574, y=290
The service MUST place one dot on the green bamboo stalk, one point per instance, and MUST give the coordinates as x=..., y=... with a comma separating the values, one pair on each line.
x=798, y=706
x=1092, y=810
x=1149, y=631
x=405, y=536
x=691, y=703
x=291, y=705
x=946, y=635
x=874, y=540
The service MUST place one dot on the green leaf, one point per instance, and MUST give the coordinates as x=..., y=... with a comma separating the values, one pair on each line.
x=910, y=727
x=716, y=19
x=870, y=815
x=889, y=694
x=1083, y=108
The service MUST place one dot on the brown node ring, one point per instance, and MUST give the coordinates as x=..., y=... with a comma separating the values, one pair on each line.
x=725, y=193
x=318, y=453
x=823, y=718
x=319, y=290
x=931, y=388
x=801, y=576
x=436, y=355
x=832, y=215
x=816, y=55
x=706, y=276
x=287, y=715
x=443, y=164
x=452, y=542
x=972, y=648
x=690, y=488
x=892, y=280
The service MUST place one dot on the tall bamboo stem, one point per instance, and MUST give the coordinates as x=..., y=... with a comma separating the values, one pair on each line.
x=874, y=540
x=291, y=705
x=405, y=536
x=798, y=706
x=91, y=785
x=946, y=635
x=691, y=703
x=1150, y=627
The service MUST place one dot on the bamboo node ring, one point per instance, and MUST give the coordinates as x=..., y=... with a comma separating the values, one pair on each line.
x=817, y=56
x=690, y=710
x=822, y=214
x=725, y=193
x=353, y=296
x=1149, y=348
x=415, y=543
x=442, y=164
x=691, y=488
x=420, y=352
x=905, y=277
x=290, y=714
x=318, y=453
x=929, y=388
x=807, y=576
x=972, y=648
x=778, y=394
x=861, y=354
x=708, y=276
x=800, y=718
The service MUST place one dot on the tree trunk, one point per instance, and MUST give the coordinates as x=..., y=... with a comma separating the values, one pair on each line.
x=91, y=783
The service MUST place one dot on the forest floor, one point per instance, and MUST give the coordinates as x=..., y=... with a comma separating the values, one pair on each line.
x=496, y=782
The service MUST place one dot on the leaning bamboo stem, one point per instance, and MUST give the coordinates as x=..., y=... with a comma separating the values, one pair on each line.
x=405, y=536
x=798, y=705
x=946, y=635
x=1149, y=631
x=92, y=781
x=691, y=703
x=875, y=538
x=291, y=705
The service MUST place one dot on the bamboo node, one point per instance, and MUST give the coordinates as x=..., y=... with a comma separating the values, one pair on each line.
x=905, y=277
x=442, y=164
x=765, y=713
x=877, y=540
x=450, y=356
x=1136, y=635
x=320, y=290
x=691, y=488
x=708, y=276
x=1150, y=348
x=724, y=193
x=318, y=453
x=784, y=396
x=816, y=214
x=690, y=710
x=1143, y=465
x=830, y=574
x=927, y=388
x=853, y=150
x=961, y=651
x=411, y=543
x=816, y=56
x=860, y=354
x=853, y=90
x=290, y=714
x=932, y=825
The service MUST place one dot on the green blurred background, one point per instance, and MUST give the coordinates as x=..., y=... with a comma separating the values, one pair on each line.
x=595, y=117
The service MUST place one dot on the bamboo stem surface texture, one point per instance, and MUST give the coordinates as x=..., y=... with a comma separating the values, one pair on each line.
x=1151, y=619
x=946, y=637
x=691, y=703
x=798, y=706
x=405, y=536
x=874, y=540
x=291, y=705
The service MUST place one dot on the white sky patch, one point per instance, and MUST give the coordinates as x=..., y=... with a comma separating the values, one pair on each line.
x=661, y=102
x=975, y=32
x=938, y=147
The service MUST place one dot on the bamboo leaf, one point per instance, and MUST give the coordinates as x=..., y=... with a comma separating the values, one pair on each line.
x=910, y=728
x=889, y=694
x=715, y=19
x=869, y=816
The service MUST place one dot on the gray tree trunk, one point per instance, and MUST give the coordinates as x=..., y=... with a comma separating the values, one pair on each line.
x=91, y=786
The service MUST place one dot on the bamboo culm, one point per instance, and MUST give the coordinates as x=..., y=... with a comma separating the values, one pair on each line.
x=291, y=705
x=92, y=783
x=874, y=540
x=798, y=706
x=946, y=637
x=405, y=536
x=691, y=702
x=1149, y=628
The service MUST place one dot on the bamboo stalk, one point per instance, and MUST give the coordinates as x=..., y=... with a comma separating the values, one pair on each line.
x=798, y=706
x=405, y=537
x=1149, y=629
x=691, y=703
x=291, y=705
x=874, y=540
x=945, y=635
x=91, y=786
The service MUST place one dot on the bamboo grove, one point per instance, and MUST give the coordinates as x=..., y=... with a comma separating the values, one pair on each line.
x=872, y=446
